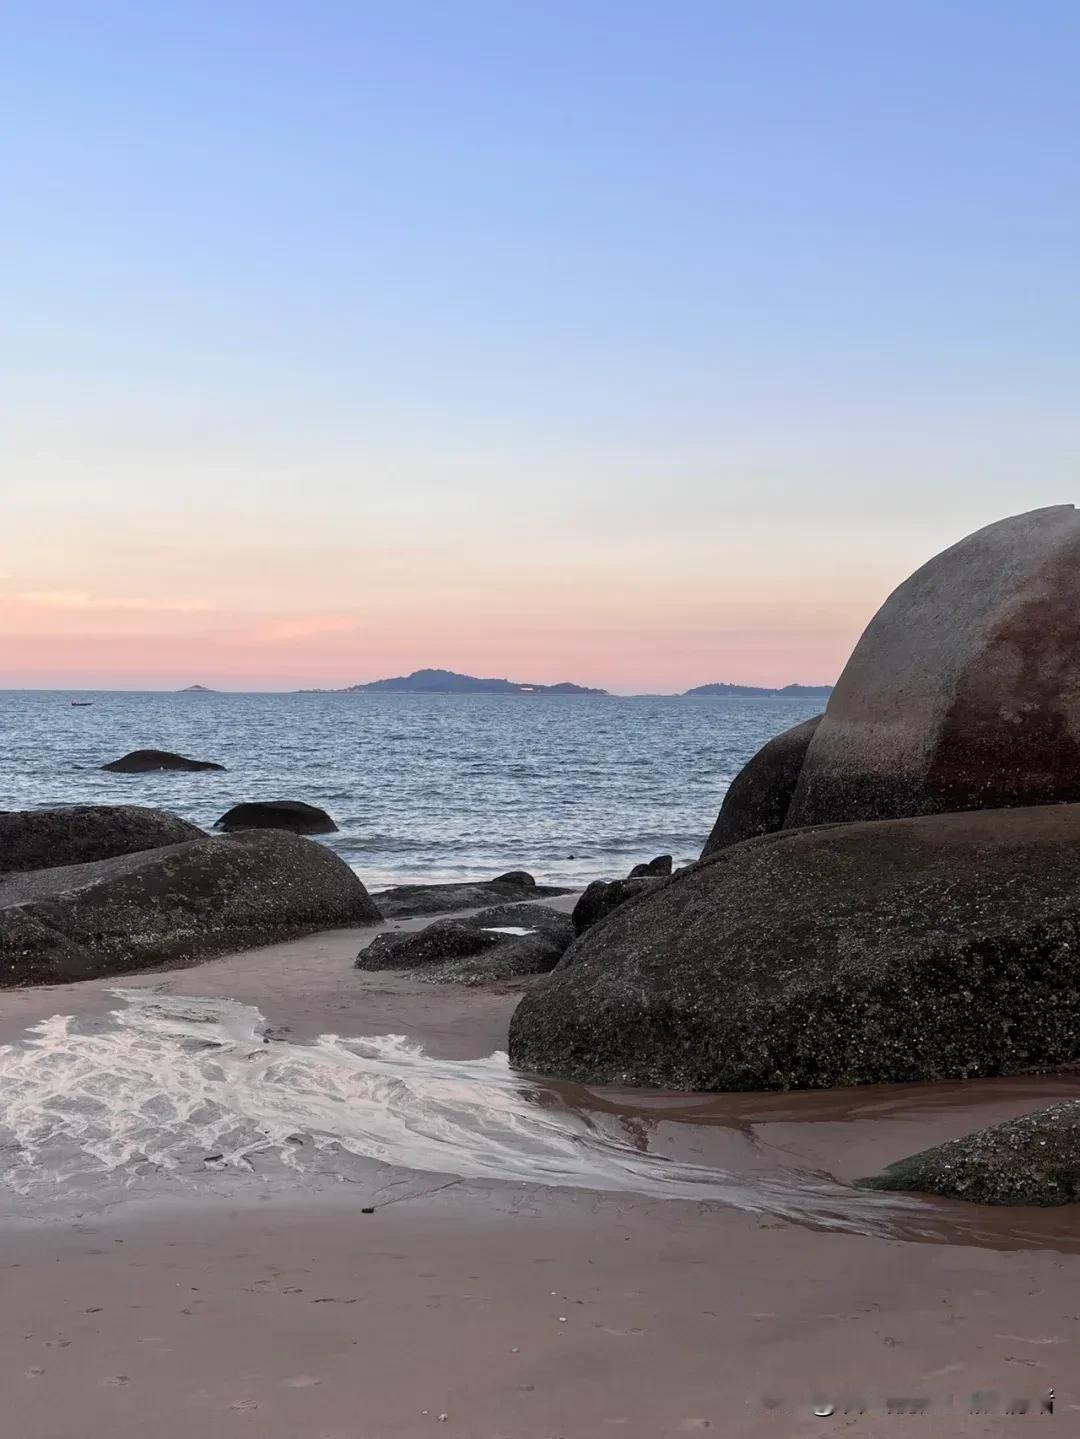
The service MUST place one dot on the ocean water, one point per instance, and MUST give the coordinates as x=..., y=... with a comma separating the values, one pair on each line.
x=423, y=787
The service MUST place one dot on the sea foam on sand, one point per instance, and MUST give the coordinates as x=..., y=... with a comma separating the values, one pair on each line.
x=169, y=1086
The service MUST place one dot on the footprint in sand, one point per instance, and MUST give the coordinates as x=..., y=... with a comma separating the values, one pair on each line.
x=243, y=1406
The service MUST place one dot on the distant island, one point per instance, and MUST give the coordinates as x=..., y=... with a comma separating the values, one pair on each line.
x=197, y=690
x=446, y=682
x=449, y=682
x=788, y=692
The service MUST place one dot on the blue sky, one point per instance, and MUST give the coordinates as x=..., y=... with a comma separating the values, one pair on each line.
x=475, y=326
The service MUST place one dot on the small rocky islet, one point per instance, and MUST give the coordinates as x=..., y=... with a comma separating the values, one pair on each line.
x=153, y=761
x=891, y=890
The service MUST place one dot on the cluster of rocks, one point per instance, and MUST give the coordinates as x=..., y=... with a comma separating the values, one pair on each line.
x=96, y=890
x=891, y=890
x=504, y=942
x=92, y=890
x=288, y=814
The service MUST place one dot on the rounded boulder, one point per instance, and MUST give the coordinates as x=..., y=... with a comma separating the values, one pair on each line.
x=964, y=691
x=290, y=814
x=928, y=948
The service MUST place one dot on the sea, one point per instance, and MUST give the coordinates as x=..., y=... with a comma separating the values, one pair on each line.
x=424, y=788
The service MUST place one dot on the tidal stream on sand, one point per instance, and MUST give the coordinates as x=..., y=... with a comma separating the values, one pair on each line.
x=166, y=1093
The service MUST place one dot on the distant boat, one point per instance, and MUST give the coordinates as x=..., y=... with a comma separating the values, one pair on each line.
x=81, y=704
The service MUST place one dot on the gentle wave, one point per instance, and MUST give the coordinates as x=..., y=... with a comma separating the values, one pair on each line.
x=423, y=788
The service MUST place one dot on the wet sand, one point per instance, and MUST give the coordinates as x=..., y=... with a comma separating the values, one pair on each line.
x=520, y=1311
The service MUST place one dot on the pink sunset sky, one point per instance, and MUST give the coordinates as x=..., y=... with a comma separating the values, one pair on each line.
x=628, y=345
x=119, y=591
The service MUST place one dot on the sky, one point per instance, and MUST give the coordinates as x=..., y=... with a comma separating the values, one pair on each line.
x=632, y=344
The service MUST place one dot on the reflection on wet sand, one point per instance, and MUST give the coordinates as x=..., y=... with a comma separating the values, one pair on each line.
x=177, y=1089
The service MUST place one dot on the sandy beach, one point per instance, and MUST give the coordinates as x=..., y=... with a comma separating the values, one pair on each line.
x=506, y=1309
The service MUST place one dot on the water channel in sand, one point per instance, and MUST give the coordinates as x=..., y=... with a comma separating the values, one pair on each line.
x=188, y=1092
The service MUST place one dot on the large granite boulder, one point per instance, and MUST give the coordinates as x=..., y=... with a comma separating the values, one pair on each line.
x=45, y=838
x=964, y=691
x=183, y=902
x=290, y=814
x=758, y=797
x=148, y=761
x=1031, y=1160
x=916, y=949
x=410, y=901
x=498, y=943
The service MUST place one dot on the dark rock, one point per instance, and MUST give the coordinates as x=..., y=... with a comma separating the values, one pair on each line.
x=516, y=959
x=45, y=838
x=478, y=946
x=410, y=901
x=964, y=691
x=444, y=939
x=926, y=948
x=758, y=797
x=290, y=814
x=32, y=952
x=604, y=895
x=516, y=879
x=147, y=761
x=658, y=868
x=176, y=904
x=552, y=923
x=1031, y=1160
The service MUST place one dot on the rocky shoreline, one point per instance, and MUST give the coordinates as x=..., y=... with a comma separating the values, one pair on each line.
x=889, y=893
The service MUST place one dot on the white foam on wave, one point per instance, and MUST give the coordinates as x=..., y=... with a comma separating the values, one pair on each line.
x=166, y=1085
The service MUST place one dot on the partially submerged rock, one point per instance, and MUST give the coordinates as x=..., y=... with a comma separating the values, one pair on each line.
x=964, y=691
x=409, y=901
x=1031, y=1160
x=603, y=895
x=499, y=943
x=147, y=761
x=290, y=814
x=900, y=950
x=176, y=904
x=78, y=834
x=759, y=796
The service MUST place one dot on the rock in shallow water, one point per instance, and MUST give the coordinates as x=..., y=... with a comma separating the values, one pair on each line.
x=147, y=761
x=915, y=949
x=45, y=838
x=179, y=903
x=290, y=814
x=1034, y=1159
